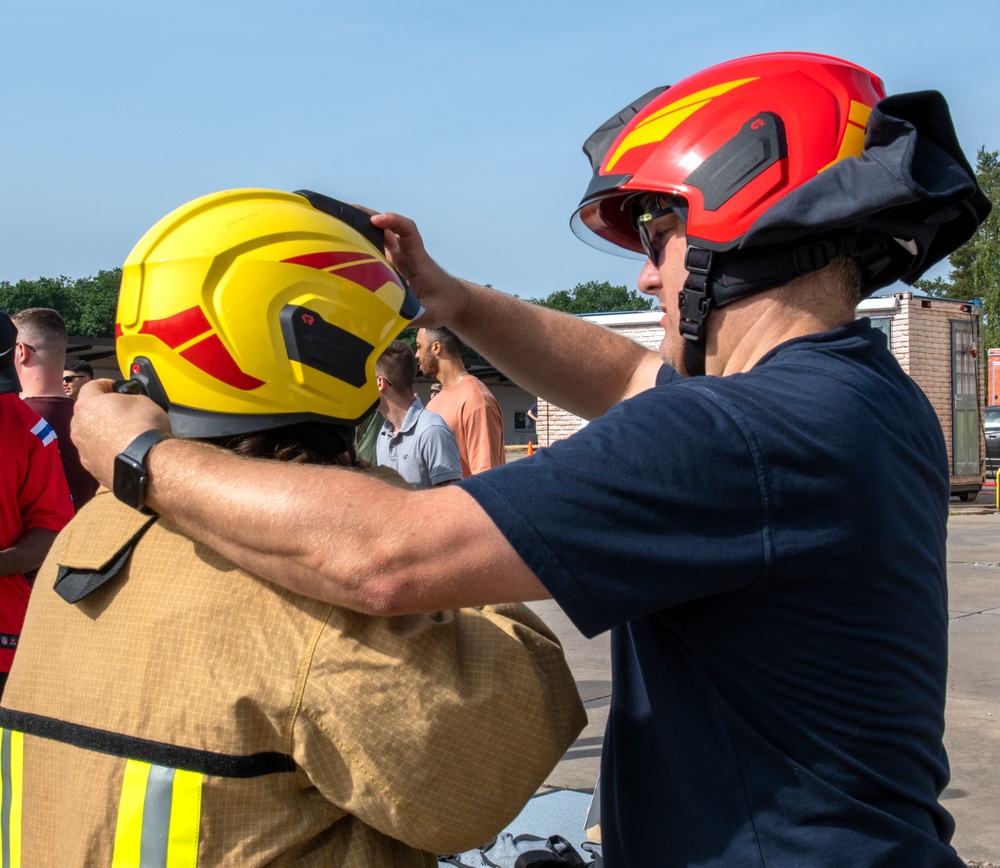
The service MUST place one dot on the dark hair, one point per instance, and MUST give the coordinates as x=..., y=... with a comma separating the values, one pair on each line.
x=447, y=338
x=8, y=337
x=80, y=366
x=398, y=365
x=303, y=443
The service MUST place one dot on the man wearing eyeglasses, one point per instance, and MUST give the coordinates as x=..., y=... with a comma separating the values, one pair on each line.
x=75, y=375
x=34, y=498
x=40, y=357
x=779, y=655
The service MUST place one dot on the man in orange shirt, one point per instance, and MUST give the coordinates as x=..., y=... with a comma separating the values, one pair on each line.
x=468, y=407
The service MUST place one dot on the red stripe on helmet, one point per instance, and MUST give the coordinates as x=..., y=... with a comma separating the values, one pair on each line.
x=371, y=275
x=212, y=357
x=327, y=259
x=179, y=328
x=360, y=268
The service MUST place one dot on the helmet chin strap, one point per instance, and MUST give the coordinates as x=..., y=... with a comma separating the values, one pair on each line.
x=694, y=357
x=695, y=302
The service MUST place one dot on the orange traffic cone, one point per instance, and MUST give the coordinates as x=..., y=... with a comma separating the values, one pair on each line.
x=531, y=448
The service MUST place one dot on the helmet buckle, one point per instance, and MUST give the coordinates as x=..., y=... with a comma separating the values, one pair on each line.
x=813, y=257
x=698, y=260
x=694, y=299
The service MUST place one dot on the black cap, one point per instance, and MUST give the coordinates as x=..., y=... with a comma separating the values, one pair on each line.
x=8, y=373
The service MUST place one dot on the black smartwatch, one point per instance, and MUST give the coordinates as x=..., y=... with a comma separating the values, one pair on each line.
x=130, y=470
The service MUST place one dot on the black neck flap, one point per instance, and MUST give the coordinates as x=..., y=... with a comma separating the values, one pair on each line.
x=716, y=279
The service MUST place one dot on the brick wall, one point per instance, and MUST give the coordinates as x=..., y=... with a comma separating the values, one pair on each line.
x=921, y=342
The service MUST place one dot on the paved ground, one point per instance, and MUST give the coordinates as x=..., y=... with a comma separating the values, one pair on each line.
x=973, y=713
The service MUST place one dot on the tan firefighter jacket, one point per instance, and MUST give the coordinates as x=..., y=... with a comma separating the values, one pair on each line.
x=185, y=713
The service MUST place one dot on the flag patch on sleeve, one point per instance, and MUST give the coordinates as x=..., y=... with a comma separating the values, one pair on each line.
x=43, y=431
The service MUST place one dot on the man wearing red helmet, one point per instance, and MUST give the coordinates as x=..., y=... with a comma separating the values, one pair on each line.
x=779, y=665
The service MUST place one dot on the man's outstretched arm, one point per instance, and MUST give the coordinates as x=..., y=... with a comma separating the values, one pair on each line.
x=330, y=533
x=347, y=538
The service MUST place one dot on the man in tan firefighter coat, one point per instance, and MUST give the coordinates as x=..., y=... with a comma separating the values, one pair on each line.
x=168, y=709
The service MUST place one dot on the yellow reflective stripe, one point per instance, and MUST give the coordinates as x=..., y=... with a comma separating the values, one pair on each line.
x=12, y=772
x=17, y=794
x=663, y=122
x=128, y=830
x=185, y=820
x=853, y=143
x=859, y=113
x=159, y=817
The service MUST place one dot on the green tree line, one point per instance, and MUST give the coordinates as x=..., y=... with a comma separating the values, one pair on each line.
x=597, y=297
x=975, y=266
x=87, y=304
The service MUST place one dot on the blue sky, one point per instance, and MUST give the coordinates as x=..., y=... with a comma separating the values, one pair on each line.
x=468, y=117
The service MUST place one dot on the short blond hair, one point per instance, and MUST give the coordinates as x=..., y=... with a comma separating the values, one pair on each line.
x=42, y=326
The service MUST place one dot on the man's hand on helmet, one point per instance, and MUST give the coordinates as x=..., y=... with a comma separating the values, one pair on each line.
x=442, y=295
x=105, y=422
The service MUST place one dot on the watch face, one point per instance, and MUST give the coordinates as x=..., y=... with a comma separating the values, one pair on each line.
x=130, y=481
x=130, y=470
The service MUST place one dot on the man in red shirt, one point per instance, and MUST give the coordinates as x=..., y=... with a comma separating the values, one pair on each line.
x=40, y=357
x=34, y=497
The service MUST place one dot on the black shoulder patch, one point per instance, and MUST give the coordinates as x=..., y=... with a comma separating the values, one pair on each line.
x=74, y=584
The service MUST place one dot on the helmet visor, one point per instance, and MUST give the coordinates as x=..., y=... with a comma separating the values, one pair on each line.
x=619, y=224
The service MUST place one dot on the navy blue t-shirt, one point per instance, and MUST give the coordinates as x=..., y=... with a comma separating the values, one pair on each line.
x=768, y=550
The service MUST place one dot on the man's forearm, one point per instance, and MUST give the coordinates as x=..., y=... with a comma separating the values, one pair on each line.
x=27, y=553
x=574, y=364
x=336, y=534
x=331, y=533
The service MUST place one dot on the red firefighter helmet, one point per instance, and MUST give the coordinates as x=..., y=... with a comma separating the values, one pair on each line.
x=779, y=164
x=730, y=140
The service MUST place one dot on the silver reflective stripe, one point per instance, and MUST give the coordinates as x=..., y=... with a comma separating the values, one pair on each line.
x=159, y=817
x=11, y=782
x=5, y=803
x=156, y=818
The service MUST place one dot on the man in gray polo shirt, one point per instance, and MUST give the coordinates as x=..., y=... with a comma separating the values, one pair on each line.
x=415, y=442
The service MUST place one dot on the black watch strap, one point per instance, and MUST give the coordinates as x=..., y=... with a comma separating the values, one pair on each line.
x=130, y=475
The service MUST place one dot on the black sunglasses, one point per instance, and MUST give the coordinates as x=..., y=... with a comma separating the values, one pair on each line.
x=649, y=208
